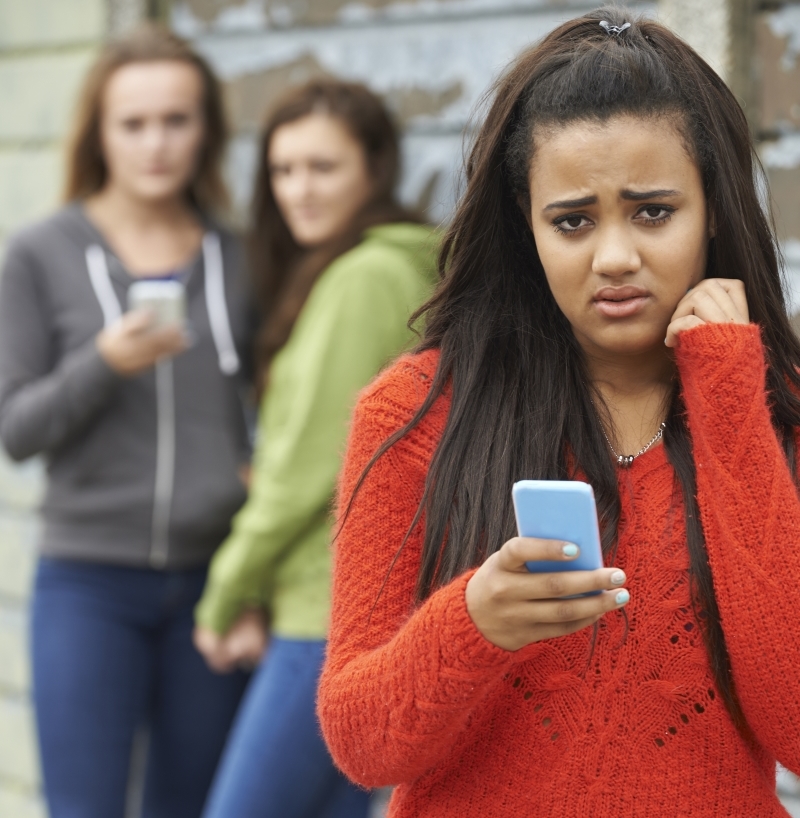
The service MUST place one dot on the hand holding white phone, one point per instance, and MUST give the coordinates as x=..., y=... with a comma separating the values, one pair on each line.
x=153, y=329
x=164, y=298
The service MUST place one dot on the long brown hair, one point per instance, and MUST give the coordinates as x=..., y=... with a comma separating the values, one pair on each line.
x=86, y=167
x=521, y=399
x=284, y=271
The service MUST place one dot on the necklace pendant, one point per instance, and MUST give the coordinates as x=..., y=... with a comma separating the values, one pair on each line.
x=625, y=461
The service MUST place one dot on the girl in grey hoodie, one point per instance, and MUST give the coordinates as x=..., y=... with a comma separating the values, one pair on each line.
x=141, y=427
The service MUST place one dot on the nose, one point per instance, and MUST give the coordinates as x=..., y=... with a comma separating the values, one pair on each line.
x=155, y=136
x=299, y=184
x=615, y=252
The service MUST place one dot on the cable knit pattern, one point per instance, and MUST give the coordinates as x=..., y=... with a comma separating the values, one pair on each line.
x=416, y=697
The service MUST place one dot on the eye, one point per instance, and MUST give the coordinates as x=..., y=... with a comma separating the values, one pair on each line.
x=655, y=214
x=323, y=166
x=571, y=223
x=132, y=124
x=177, y=120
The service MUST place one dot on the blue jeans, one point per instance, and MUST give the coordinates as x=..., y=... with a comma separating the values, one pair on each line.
x=112, y=652
x=276, y=764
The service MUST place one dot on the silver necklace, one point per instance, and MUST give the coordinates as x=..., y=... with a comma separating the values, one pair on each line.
x=625, y=460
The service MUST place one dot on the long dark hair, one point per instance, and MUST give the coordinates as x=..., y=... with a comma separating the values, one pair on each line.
x=284, y=271
x=521, y=406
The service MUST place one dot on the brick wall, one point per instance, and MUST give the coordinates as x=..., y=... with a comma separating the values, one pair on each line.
x=45, y=47
x=776, y=75
x=430, y=59
x=19, y=778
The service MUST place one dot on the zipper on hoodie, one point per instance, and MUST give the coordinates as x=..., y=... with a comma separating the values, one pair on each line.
x=229, y=364
x=165, y=463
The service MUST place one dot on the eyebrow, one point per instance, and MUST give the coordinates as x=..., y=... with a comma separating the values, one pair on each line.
x=634, y=196
x=569, y=204
x=629, y=195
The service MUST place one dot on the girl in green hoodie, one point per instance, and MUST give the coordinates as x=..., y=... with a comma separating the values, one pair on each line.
x=341, y=267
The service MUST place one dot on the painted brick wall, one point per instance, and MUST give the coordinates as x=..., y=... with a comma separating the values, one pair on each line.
x=45, y=47
x=777, y=100
x=430, y=59
x=776, y=118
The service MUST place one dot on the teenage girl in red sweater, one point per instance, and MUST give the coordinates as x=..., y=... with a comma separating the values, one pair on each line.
x=609, y=270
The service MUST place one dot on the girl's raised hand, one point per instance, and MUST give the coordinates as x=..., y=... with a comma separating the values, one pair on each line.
x=712, y=301
x=512, y=607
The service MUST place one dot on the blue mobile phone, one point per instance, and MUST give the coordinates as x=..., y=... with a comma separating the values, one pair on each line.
x=559, y=510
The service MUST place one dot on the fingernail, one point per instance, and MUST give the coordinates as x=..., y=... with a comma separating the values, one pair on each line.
x=570, y=550
x=617, y=578
x=622, y=597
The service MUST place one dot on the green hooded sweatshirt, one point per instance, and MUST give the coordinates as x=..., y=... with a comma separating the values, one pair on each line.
x=354, y=322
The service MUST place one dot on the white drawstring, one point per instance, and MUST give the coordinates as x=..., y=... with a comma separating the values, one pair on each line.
x=217, y=307
x=216, y=304
x=101, y=283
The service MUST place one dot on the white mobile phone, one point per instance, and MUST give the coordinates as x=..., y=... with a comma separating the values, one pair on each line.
x=165, y=298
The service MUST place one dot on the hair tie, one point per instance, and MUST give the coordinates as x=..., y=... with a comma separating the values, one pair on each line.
x=614, y=30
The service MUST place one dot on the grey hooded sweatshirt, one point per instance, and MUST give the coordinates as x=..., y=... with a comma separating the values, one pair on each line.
x=143, y=471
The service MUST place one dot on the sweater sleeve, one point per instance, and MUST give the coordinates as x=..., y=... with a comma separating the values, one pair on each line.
x=750, y=512
x=353, y=323
x=44, y=401
x=399, y=685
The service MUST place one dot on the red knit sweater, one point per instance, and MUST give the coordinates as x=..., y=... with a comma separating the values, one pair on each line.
x=415, y=696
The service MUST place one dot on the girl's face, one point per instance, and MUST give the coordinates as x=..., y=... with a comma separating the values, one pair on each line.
x=621, y=226
x=319, y=177
x=152, y=128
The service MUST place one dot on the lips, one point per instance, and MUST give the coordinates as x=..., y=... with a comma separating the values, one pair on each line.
x=620, y=293
x=620, y=302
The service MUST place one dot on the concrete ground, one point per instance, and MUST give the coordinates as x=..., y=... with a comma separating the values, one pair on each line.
x=789, y=791
x=792, y=805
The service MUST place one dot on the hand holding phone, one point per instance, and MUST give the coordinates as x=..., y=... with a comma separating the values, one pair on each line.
x=559, y=510
x=513, y=607
x=153, y=329
x=130, y=345
x=165, y=299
